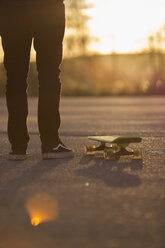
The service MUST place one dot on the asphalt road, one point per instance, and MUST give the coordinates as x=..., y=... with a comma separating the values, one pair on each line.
x=91, y=202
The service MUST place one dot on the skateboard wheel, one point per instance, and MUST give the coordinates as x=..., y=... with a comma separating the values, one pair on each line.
x=109, y=154
x=99, y=154
x=137, y=153
x=90, y=149
x=115, y=148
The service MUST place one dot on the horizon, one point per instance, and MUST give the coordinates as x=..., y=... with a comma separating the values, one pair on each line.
x=93, y=54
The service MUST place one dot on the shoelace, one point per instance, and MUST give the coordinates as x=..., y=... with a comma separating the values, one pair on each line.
x=57, y=147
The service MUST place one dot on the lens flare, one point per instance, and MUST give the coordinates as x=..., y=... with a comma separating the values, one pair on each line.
x=42, y=208
x=35, y=221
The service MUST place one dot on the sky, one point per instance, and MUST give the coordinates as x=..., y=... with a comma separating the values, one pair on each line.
x=123, y=26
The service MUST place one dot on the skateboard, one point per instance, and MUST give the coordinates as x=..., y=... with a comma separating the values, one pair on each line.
x=113, y=147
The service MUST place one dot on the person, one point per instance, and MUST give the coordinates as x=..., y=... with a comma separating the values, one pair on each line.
x=43, y=21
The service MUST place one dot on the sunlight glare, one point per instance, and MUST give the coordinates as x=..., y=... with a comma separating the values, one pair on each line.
x=121, y=26
x=42, y=208
x=124, y=26
x=35, y=221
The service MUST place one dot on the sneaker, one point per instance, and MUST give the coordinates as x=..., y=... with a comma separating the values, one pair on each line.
x=13, y=156
x=60, y=151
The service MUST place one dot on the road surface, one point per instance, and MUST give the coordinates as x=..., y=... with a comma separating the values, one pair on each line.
x=87, y=201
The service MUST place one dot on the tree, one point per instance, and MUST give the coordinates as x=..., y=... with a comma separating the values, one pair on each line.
x=157, y=62
x=77, y=33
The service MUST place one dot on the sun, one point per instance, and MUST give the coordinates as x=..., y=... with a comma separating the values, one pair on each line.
x=124, y=26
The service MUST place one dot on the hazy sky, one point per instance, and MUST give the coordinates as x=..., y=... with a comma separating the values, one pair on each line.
x=123, y=25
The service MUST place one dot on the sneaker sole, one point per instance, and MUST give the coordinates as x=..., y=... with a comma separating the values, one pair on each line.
x=59, y=155
x=17, y=157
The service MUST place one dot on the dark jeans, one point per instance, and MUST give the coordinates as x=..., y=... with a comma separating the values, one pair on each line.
x=19, y=25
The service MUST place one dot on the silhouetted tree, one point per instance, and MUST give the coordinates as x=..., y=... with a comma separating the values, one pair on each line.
x=77, y=35
x=157, y=62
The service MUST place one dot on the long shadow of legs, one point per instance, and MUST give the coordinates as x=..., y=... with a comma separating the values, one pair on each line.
x=29, y=174
x=25, y=182
x=26, y=177
x=111, y=172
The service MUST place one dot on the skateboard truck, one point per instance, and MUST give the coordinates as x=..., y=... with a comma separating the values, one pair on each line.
x=91, y=149
x=114, y=150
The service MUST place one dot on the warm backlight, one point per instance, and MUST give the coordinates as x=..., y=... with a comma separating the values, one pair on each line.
x=124, y=25
x=35, y=221
x=42, y=208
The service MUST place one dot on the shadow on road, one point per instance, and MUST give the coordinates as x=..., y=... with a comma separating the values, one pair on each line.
x=25, y=174
x=112, y=173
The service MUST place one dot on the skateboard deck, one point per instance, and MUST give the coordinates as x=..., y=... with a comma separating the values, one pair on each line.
x=116, y=139
x=117, y=146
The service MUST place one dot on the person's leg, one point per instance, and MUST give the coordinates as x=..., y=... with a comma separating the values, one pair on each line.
x=16, y=41
x=49, y=25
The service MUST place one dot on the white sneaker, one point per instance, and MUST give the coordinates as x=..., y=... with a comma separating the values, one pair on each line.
x=17, y=156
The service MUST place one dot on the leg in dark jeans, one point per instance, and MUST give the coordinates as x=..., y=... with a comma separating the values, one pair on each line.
x=48, y=35
x=16, y=41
